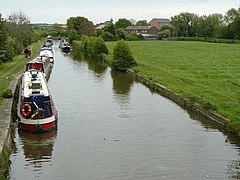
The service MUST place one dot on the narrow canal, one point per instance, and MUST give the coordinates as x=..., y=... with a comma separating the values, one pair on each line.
x=112, y=127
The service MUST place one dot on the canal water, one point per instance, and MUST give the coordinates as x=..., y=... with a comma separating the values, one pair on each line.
x=114, y=128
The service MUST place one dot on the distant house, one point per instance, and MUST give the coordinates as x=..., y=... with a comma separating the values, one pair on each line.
x=148, y=32
x=141, y=30
x=101, y=26
x=159, y=22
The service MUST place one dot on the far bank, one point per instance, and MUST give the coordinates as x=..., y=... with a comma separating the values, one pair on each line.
x=206, y=74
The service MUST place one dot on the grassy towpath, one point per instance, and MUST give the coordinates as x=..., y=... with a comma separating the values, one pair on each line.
x=204, y=73
x=9, y=69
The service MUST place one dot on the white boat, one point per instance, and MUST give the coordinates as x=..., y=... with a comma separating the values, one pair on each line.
x=49, y=41
x=36, y=109
x=47, y=51
x=64, y=45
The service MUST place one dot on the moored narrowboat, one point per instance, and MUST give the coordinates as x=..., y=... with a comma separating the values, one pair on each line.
x=36, y=109
x=47, y=51
x=41, y=63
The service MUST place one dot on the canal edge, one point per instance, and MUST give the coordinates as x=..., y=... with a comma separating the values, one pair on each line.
x=183, y=102
x=6, y=119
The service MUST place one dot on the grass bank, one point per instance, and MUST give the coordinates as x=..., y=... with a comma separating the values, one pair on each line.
x=4, y=163
x=7, y=70
x=205, y=73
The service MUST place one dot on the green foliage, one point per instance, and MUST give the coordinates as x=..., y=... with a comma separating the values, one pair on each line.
x=82, y=25
x=142, y=23
x=164, y=34
x=36, y=35
x=122, y=57
x=5, y=50
x=107, y=36
x=134, y=37
x=94, y=47
x=120, y=34
x=99, y=32
x=20, y=28
x=122, y=23
x=110, y=27
x=204, y=39
x=84, y=44
x=4, y=163
x=73, y=35
x=7, y=93
x=184, y=24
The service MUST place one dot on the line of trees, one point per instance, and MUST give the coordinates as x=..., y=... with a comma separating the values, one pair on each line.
x=213, y=25
x=183, y=25
x=78, y=26
x=15, y=34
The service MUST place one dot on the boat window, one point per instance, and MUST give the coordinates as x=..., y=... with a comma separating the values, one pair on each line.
x=36, y=86
x=47, y=110
x=37, y=66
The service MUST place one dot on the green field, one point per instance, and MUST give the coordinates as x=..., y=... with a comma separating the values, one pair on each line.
x=9, y=69
x=205, y=73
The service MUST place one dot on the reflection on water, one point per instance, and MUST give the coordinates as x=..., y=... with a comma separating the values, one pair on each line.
x=37, y=150
x=111, y=127
x=122, y=82
x=37, y=146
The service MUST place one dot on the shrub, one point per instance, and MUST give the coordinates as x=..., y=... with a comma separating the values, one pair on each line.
x=7, y=93
x=164, y=34
x=122, y=56
x=94, y=47
x=84, y=43
x=134, y=37
x=107, y=36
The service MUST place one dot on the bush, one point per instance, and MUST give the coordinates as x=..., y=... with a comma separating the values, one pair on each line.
x=107, y=36
x=122, y=57
x=204, y=39
x=134, y=37
x=164, y=34
x=94, y=47
x=7, y=93
x=84, y=43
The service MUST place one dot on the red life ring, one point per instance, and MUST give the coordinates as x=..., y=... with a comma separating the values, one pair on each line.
x=26, y=110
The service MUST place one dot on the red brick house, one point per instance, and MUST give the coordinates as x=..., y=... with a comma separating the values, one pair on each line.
x=159, y=22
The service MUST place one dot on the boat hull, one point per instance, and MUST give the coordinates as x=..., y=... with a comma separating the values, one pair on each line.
x=38, y=125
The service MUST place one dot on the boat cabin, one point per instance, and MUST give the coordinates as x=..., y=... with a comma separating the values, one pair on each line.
x=40, y=63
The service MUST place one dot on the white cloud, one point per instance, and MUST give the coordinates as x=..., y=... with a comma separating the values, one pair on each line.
x=58, y=11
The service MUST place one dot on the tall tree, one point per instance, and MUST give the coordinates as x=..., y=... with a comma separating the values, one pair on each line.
x=231, y=15
x=21, y=29
x=232, y=19
x=142, y=23
x=183, y=24
x=122, y=23
x=6, y=49
x=82, y=25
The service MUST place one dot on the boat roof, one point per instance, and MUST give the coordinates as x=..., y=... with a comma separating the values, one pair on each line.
x=34, y=84
x=46, y=53
x=40, y=58
x=49, y=48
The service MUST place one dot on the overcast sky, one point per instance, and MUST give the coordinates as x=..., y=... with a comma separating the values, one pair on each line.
x=58, y=11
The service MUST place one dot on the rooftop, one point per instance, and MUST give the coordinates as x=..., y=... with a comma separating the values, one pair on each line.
x=138, y=28
x=162, y=20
